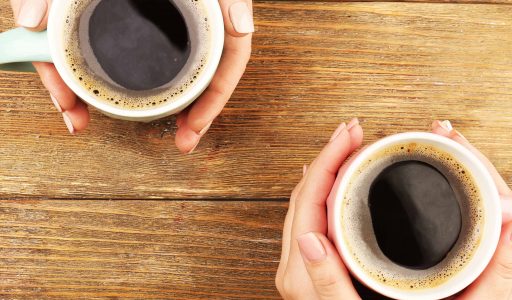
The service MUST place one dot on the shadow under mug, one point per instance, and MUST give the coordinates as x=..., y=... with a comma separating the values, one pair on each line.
x=19, y=47
x=491, y=225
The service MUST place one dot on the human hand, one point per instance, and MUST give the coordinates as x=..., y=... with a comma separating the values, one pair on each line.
x=33, y=15
x=310, y=266
x=195, y=121
x=496, y=280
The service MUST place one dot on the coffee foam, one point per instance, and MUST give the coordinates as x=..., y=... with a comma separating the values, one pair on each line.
x=357, y=229
x=90, y=76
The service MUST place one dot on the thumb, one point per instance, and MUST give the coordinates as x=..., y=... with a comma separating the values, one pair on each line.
x=325, y=268
x=31, y=14
x=496, y=281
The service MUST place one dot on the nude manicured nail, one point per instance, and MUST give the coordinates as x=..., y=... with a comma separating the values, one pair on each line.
x=56, y=103
x=241, y=17
x=446, y=125
x=340, y=129
x=304, y=170
x=31, y=13
x=352, y=123
x=68, y=123
x=205, y=129
x=193, y=149
x=311, y=248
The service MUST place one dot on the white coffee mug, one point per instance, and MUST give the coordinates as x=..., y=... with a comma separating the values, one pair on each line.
x=19, y=47
x=491, y=227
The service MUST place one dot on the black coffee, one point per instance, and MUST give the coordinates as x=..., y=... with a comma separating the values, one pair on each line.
x=140, y=44
x=415, y=214
x=411, y=216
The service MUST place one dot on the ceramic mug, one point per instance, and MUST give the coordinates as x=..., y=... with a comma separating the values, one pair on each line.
x=19, y=47
x=491, y=224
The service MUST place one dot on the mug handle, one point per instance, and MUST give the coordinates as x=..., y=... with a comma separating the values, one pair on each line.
x=19, y=47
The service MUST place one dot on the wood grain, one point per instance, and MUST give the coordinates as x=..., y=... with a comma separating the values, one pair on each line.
x=397, y=66
x=139, y=249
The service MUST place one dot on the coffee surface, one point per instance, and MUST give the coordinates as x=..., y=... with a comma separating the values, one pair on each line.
x=415, y=214
x=137, y=54
x=398, y=196
x=140, y=44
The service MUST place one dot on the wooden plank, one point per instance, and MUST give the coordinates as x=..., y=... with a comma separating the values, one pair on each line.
x=139, y=249
x=397, y=66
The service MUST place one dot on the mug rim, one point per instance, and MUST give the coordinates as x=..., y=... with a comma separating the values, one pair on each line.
x=217, y=46
x=479, y=261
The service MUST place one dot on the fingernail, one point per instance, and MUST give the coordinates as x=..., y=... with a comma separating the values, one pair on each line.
x=311, y=247
x=205, y=129
x=32, y=13
x=194, y=148
x=446, y=125
x=340, y=129
x=56, y=103
x=304, y=170
x=241, y=17
x=352, y=123
x=506, y=208
x=68, y=123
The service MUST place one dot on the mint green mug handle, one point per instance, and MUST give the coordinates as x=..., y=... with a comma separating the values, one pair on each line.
x=20, y=47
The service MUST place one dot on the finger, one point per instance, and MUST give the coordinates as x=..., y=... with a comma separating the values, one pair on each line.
x=356, y=134
x=310, y=206
x=63, y=97
x=329, y=276
x=181, y=118
x=31, y=14
x=237, y=51
x=445, y=129
x=310, y=209
x=496, y=281
x=74, y=112
x=77, y=118
x=356, y=137
x=287, y=228
x=342, y=172
x=186, y=139
x=212, y=101
x=238, y=19
x=231, y=68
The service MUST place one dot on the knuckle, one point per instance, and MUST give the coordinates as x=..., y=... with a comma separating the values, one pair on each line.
x=504, y=269
x=325, y=279
x=219, y=90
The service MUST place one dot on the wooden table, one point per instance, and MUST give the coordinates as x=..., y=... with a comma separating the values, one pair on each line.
x=117, y=212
